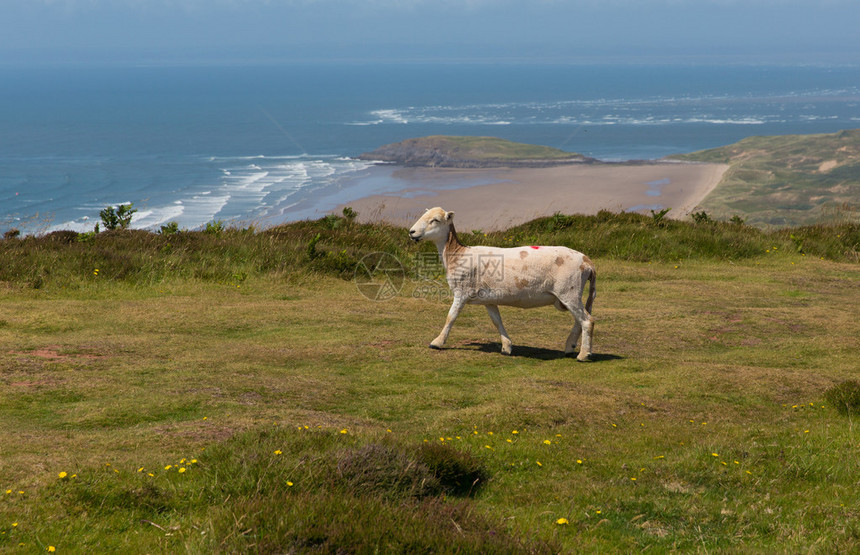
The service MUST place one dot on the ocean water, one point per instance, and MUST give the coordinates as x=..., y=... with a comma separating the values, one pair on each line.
x=269, y=144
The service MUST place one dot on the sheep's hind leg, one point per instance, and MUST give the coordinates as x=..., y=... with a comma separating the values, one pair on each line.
x=583, y=328
x=496, y=317
x=572, y=339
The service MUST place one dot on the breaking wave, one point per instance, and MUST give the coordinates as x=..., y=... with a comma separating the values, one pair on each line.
x=674, y=110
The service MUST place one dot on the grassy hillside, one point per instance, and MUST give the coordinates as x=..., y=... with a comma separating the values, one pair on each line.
x=484, y=148
x=238, y=391
x=787, y=180
x=454, y=151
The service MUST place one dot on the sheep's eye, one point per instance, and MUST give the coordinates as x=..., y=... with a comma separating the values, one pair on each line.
x=434, y=221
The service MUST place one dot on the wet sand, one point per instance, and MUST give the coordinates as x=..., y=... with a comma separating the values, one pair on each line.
x=509, y=197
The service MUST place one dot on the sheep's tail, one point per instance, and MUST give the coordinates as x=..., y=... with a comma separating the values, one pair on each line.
x=592, y=288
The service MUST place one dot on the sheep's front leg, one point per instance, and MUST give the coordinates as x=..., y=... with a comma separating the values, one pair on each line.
x=453, y=312
x=497, y=320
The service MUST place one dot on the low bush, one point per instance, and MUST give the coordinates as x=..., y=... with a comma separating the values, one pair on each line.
x=845, y=397
x=218, y=253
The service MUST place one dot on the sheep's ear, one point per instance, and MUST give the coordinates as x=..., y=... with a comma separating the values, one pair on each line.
x=449, y=216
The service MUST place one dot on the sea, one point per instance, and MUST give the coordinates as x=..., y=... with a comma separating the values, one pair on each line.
x=267, y=144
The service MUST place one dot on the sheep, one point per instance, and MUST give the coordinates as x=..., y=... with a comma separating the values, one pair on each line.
x=524, y=277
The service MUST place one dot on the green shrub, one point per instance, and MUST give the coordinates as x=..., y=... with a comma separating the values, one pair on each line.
x=458, y=473
x=845, y=397
x=384, y=470
x=218, y=254
x=349, y=214
x=660, y=216
x=170, y=228
x=701, y=217
x=117, y=218
x=215, y=227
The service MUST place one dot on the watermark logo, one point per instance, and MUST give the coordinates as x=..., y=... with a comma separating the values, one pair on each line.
x=379, y=276
x=491, y=267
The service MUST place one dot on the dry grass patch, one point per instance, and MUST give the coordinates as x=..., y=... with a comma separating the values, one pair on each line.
x=703, y=359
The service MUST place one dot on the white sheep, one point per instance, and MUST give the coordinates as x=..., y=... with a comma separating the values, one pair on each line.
x=524, y=277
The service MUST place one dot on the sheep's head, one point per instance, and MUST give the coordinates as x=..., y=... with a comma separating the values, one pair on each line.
x=433, y=225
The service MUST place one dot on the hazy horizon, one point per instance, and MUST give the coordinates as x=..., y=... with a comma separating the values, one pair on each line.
x=165, y=32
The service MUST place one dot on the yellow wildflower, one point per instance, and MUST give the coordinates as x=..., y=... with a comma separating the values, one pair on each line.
x=278, y=452
x=343, y=431
x=562, y=521
x=290, y=484
x=181, y=470
x=547, y=442
x=62, y=475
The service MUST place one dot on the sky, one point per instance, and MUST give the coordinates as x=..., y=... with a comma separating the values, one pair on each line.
x=36, y=32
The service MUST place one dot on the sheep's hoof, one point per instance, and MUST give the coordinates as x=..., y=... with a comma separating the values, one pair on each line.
x=583, y=358
x=435, y=347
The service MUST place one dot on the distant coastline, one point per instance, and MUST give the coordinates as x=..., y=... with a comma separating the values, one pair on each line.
x=766, y=181
x=275, y=145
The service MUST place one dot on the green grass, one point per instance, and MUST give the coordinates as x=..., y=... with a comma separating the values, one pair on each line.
x=459, y=151
x=309, y=418
x=492, y=148
x=787, y=180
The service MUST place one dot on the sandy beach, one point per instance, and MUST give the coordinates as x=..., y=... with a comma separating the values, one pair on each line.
x=511, y=197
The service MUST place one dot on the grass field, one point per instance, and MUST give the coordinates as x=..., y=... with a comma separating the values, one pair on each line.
x=239, y=392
